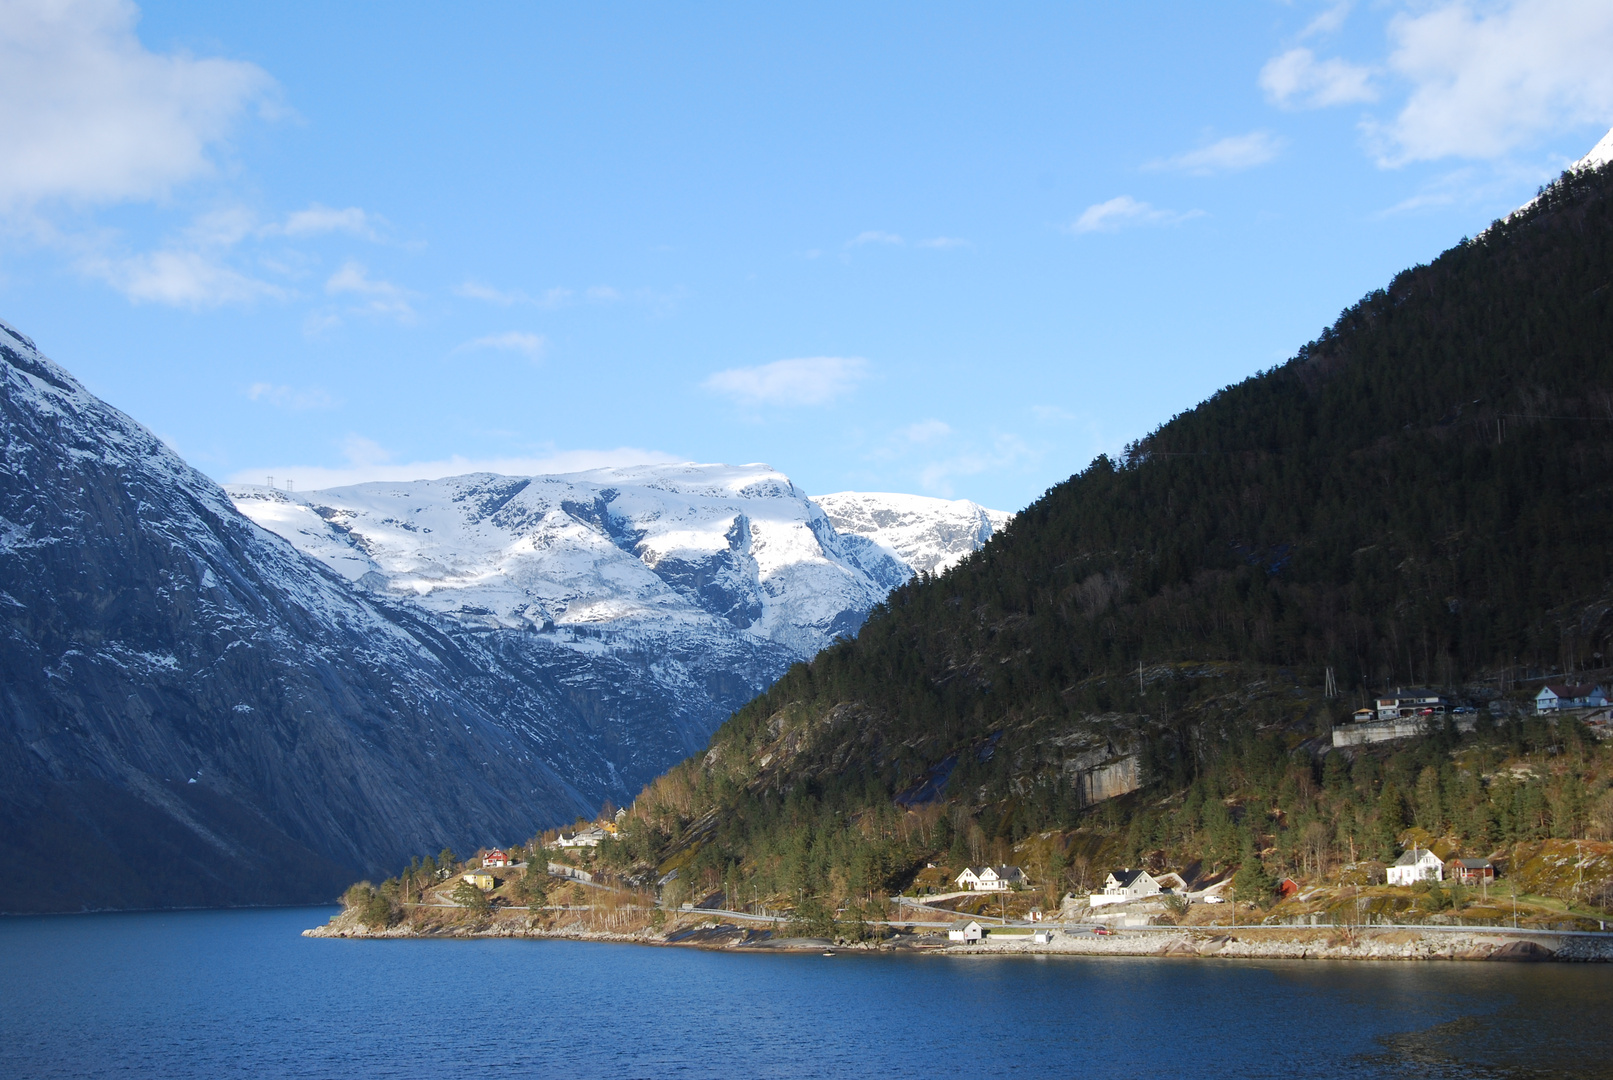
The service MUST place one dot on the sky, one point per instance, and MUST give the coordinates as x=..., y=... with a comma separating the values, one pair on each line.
x=953, y=250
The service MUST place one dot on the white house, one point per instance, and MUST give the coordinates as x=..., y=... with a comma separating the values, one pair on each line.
x=965, y=930
x=991, y=878
x=1554, y=696
x=1123, y=885
x=1411, y=703
x=1417, y=864
x=589, y=837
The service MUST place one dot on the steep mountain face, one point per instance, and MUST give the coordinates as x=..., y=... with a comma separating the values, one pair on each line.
x=929, y=535
x=197, y=713
x=1423, y=495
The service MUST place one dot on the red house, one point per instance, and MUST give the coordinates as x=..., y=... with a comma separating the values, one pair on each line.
x=1472, y=871
x=495, y=858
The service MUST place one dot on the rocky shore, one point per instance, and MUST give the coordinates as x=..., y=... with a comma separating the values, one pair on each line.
x=1251, y=943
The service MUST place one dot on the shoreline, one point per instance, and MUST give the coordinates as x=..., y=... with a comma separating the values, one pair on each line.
x=1370, y=943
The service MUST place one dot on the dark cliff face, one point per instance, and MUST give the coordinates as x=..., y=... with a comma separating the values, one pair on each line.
x=193, y=713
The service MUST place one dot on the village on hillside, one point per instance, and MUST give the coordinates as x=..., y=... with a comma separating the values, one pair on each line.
x=1057, y=885
x=558, y=883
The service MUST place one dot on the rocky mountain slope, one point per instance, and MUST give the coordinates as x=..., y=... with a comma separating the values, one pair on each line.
x=197, y=713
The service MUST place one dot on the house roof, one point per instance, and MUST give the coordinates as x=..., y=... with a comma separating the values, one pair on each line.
x=1474, y=864
x=1126, y=877
x=1412, y=856
x=1569, y=690
x=963, y=924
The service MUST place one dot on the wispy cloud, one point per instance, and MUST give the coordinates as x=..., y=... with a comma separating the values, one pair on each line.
x=366, y=460
x=1297, y=79
x=1124, y=211
x=532, y=345
x=379, y=297
x=1329, y=21
x=939, y=477
x=89, y=115
x=318, y=220
x=288, y=397
x=188, y=279
x=925, y=431
x=1231, y=154
x=874, y=236
x=943, y=243
x=1052, y=414
x=814, y=380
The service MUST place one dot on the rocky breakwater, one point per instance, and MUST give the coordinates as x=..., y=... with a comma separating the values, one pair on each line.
x=1317, y=943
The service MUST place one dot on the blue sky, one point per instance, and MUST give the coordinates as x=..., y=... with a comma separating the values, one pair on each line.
x=935, y=249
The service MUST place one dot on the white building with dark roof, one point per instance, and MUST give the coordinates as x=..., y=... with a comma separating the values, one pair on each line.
x=1123, y=885
x=1414, y=865
x=991, y=878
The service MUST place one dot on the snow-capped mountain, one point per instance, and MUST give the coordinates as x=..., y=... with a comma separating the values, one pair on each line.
x=929, y=535
x=665, y=549
x=660, y=597
x=1600, y=154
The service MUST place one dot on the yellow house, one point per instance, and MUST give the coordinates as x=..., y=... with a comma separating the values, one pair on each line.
x=482, y=879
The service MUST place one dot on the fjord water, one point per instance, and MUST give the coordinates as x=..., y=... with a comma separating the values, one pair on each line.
x=240, y=993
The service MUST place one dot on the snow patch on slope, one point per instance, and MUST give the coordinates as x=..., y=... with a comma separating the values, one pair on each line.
x=682, y=548
x=929, y=535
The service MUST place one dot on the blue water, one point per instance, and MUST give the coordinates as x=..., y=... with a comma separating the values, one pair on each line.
x=240, y=993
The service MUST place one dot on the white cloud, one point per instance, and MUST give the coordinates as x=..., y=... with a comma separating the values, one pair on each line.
x=1122, y=211
x=926, y=431
x=475, y=290
x=1487, y=80
x=89, y=115
x=1296, y=79
x=815, y=380
x=874, y=236
x=519, y=341
x=318, y=219
x=367, y=460
x=943, y=243
x=287, y=397
x=187, y=279
x=382, y=297
x=1328, y=21
x=1231, y=154
x=603, y=294
x=1004, y=452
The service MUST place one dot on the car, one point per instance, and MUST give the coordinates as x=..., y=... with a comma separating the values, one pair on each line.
x=1103, y=931
x=1213, y=900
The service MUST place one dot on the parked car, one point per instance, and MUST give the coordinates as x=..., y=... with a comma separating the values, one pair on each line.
x=1103, y=931
x=1214, y=900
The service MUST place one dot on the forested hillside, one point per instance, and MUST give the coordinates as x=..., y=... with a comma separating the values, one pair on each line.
x=1421, y=495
